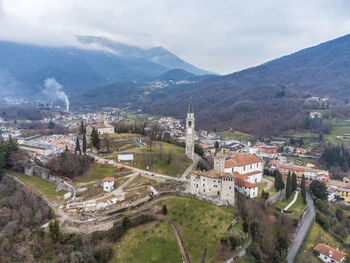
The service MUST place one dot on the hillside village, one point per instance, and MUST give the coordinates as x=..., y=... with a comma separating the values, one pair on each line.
x=131, y=170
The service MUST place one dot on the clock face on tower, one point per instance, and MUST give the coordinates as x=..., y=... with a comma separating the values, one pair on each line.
x=189, y=131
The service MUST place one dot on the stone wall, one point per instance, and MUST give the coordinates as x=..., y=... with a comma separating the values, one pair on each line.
x=35, y=170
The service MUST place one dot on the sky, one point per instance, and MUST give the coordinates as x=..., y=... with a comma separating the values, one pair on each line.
x=222, y=36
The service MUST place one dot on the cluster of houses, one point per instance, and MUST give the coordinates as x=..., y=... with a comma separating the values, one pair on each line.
x=335, y=188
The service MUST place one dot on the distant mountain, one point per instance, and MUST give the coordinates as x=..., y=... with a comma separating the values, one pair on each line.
x=266, y=99
x=182, y=75
x=23, y=68
x=157, y=55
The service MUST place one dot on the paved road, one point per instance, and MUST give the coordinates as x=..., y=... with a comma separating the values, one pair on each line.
x=309, y=217
x=191, y=167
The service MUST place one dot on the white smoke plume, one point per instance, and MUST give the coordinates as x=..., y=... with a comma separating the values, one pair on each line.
x=55, y=91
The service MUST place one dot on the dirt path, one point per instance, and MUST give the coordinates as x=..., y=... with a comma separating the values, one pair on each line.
x=179, y=243
x=269, y=184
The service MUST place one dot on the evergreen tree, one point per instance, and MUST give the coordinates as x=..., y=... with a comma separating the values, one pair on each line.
x=66, y=148
x=294, y=182
x=77, y=146
x=279, y=184
x=303, y=189
x=95, y=140
x=289, y=186
x=51, y=125
x=84, y=143
x=82, y=128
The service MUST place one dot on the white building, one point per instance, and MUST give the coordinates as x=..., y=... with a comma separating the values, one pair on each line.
x=248, y=189
x=125, y=157
x=100, y=128
x=108, y=184
x=212, y=184
x=329, y=254
x=250, y=165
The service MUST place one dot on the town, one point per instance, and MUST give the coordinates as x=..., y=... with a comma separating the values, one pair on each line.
x=138, y=159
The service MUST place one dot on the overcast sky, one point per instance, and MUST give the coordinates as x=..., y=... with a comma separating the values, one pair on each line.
x=222, y=36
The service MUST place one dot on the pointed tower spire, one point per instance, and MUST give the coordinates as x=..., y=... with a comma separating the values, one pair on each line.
x=190, y=108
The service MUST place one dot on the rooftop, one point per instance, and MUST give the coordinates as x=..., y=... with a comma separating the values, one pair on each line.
x=212, y=174
x=108, y=179
x=329, y=251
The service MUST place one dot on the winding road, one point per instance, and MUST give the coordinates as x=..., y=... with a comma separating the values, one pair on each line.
x=302, y=231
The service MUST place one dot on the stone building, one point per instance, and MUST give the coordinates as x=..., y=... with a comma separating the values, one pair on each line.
x=100, y=128
x=219, y=187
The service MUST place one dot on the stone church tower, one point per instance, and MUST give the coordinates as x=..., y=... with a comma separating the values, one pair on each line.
x=190, y=132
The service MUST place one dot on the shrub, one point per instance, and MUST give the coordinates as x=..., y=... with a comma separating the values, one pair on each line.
x=164, y=210
x=103, y=255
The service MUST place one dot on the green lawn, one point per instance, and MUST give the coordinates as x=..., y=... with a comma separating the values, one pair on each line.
x=235, y=135
x=338, y=131
x=44, y=187
x=156, y=158
x=315, y=235
x=100, y=171
x=154, y=242
x=201, y=225
x=297, y=207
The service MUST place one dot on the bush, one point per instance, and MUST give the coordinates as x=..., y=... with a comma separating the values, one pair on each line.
x=103, y=255
x=164, y=210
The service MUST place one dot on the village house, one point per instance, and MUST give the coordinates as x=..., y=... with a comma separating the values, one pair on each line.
x=269, y=151
x=309, y=173
x=108, y=184
x=100, y=128
x=232, y=148
x=213, y=184
x=328, y=254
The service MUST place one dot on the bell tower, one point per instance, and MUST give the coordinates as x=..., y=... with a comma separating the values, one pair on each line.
x=190, y=132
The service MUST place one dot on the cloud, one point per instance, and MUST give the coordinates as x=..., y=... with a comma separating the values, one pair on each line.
x=222, y=36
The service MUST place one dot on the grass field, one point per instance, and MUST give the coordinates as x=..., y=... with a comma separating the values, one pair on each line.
x=297, y=207
x=201, y=225
x=315, y=235
x=235, y=135
x=156, y=158
x=154, y=242
x=338, y=131
x=100, y=171
x=44, y=187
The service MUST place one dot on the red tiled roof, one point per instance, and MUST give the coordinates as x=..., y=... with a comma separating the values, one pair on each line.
x=241, y=159
x=246, y=184
x=230, y=164
x=324, y=249
x=108, y=179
